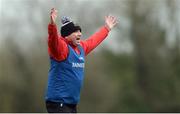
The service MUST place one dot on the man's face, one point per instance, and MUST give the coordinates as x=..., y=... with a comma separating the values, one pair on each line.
x=75, y=37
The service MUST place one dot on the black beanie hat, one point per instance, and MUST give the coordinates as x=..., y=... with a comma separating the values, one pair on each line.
x=68, y=27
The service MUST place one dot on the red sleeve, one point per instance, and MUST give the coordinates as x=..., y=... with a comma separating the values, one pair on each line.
x=94, y=40
x=57, y=47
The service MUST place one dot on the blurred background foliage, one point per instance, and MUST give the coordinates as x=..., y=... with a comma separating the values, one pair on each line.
x=136, y=69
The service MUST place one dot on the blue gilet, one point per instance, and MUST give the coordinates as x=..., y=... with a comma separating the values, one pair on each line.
x=66, y=78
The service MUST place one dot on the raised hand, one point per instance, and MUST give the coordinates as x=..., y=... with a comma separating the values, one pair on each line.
x=53, y=15
x=110, y=21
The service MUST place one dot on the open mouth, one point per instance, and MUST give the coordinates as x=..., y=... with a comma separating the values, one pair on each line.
x=77, y=38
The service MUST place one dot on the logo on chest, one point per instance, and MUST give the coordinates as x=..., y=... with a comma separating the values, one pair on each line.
x=78, y=65
x=81, y=58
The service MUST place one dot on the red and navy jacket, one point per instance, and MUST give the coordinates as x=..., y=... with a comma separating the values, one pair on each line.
x=67, y=65
x=58, y=46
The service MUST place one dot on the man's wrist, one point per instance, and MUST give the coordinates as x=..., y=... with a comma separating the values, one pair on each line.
x=109, y=29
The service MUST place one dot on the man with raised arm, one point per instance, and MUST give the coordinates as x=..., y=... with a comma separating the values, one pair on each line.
x=67, y=58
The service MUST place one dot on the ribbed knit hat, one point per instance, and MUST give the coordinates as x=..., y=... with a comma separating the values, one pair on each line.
x=68, y=26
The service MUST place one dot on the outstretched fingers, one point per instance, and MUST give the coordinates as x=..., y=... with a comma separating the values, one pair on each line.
x=111, y=21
